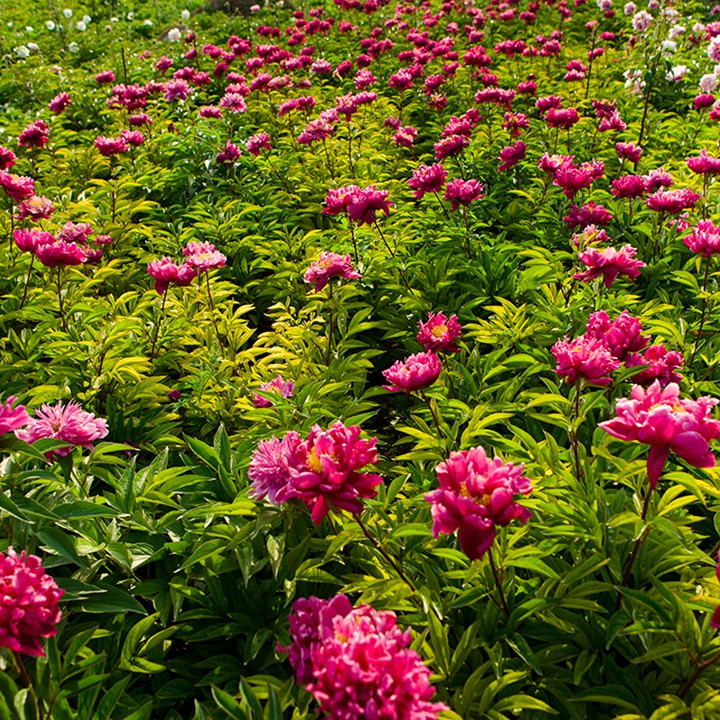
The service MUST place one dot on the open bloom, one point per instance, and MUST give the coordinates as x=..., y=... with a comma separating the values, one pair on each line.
x=166, y=273
x=69, y=423
x=658, y=417
x=511, y=155
x=357, y=663
x=427, y=178
x=277, y=385
x=17, y=187
x=476, y=494
x=462, y=192
x=672, y=201
x=35, y=208
x=584, y=358
x=704, y=164
x=621, y=336
x=28, y=603
x=366, y=202
x=34, y=135
x=439, y=333
x=28, y=240
x=59, y=103
x=60, y=252
x=609, y=263
x=704, y=239
x=203, y=256
x=661, y=365
x=12, y=418
x=108, y=146
x=269, y=470
x=329, y=265
x=416, y=372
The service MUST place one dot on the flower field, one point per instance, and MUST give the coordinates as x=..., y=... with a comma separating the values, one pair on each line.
x=360, y=360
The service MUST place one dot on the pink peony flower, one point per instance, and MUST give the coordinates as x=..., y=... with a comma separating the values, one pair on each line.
x=357, y=663
x=59, y=103
x=75, y=232
x=704, y=239
x=366, y=202
x=414, y=373
x=338, y=200
x=462, y=192
x=35, y=208
x=257, y=143
x=269, y=469
x=662, y=364
x=104, y=77
x=12, y=418
x=69, y=423
x=427, y=178
x=133, y=137
x=277, y=386
x=439, y=333
x=7, y=158
x=28, y=603
x=176, y=89
x=166, y=273
x=621, y=336
x=476, y=495
x=203, y=256
x=17, y=187
x=108, y=146
x=609, y=263
x=661, y=419
x=704, y=164
x=658, y=178
x=329, y=265
x=672, y=201
x=715, y=620
x=511, y=155
x=584, y=358
x=629, y=151
x=563, y=118
x=587, y=214
x=629, y=186
x=34, y=135
x=229, y=154
x=28, y=240
x=60, y=253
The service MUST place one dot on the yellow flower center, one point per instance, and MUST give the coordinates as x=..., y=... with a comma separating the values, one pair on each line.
x=439, y=330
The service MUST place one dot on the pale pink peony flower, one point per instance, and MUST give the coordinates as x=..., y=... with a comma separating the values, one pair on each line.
x=357, y=663
x=12, y=418
x=278, y=385
x=329, y=265
x=69, y=423
x=439, y=333
x=661, y=419
x=476, y=495
x=414, y=373
x=203, y=256
x=28, y=603
x=584, y=358
x=609, y=263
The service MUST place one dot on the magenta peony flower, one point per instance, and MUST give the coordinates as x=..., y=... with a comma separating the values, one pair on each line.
x=629, y=151
x=366, y=202
x=704, y=239
x=329, y=265
x=715, y=620
x=276, y=385
x=166, y=272
x=672, y=201
x=609, y=263
x=427, y=178
x=28, y=240
x=704, y=164
x=203, y=256
x=12, y=418
x=269, y=470
x=229, y=154
x=107, y=146
x=18, y=187
x=475, y=495
x=338, y=200
x=133, y=137
x=661, y=363
x=257, y=143
x=104, y=77
x=462, y=192
x=7, y=158
x=587, y=214
x=60, y=253
x=357, y=663
x=35, y=208
x=511, y=155
x=28, y=603
x=629, y=186
x=584, y=358
x=439, y=333
x=34, y=135
x=414, y=373
x=75, y=232
x=621, y=336
x=563, y=118
x=69, y=423
x=176, y=90
x=59, y=103
x=657, y=179
x=661, y=419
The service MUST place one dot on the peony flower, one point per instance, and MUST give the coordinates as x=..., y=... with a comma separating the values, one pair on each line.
x=704, y=164
x=629, y=151
x=621, y=336
x=7, y=158
x=629, y=186
x=672, y=201
x=17, y=187
x=476, y=495
x=28, y=240
x=12, y=418
x=661, y=419
x=35, y=208
x=277, y=386
x=329, y=265
x=229, y=154
x=462, y=192
x=34, y=135
x=269, y=469
x=366, y=202
x=357, y=663
x=338, y=200
x=609, y=263
x=439, y=333
x=414, y=373
x=69, y=423
x=28, y=603
x=203, y=257
x=704, y=239
x=587, y=214
x=108, y=146
x=661, y=363
x=257, y=143
x=584, y=358
x=59, y=103
x=511, y=155
x=427, y=178
x=60, y=252
x=166, y=272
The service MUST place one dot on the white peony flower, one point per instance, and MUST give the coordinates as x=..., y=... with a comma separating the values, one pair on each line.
x=185, y=14
x=67, y=12
x=50, y=25
x=73, y=47
x=81, y=26
x=33, y=46
x=174, y=35
x=23, y=51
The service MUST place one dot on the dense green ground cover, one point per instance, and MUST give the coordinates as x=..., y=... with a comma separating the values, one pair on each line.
x=178, y=581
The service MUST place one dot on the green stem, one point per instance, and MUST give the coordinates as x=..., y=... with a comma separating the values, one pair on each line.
x=498, y=583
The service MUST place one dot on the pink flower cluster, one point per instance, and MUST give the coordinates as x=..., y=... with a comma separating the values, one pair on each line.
x=277, y=386
x=569, y=176
x=357, y=663
x=361, y=204
x=328, y=266
x=29, y=600
x=54, y=251
x=608, y=264
x=323, y=471
x=414, y=373
x=476, y=495
x=68, y=423
x=663, y=420
x=166, y=273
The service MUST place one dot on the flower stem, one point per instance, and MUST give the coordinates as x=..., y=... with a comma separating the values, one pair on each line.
x=60, y=299
x=689, y=681
x=331, y=324
x=27, y=282
x=157, y=324
x=384, y=553
x=704, y=310
x=426, y=399
x=382, y=237
x=498, y=583
x=212, y=311
x=354, y=241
